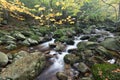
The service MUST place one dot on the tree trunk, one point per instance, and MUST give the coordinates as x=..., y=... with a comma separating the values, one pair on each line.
x=119, y=12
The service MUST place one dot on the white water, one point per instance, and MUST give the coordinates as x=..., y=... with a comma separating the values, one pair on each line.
x=58, y=62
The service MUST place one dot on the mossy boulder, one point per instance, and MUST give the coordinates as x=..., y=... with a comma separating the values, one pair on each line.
x=112, y=43
x=3, y=59
x=26, y=68
x=61, y=76
x=64, y=32
x=106, y=71
x=71, y=59
x=86, y=45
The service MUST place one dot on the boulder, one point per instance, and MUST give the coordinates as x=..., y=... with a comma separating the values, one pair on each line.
x=87, y=45
x=11, y=46
x=59, y=47
x=85, y=37
x=26, y=68
x=3, y=59
x=61, y=76
x=111, y=44
x=19, y=36
x=82, y=67
x=71, y=59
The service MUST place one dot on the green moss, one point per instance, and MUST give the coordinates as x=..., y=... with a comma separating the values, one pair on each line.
x=106, y=72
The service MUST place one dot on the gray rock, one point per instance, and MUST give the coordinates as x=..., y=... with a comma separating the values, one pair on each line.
x=11, y=46
x=111, y=44
x=19, y=36
x=87, y=45
x=59, y=46
x=71, y=58
x=61, y=76
x=3, y=59
x=26, y=68
x=86, y=78
x=82, y=67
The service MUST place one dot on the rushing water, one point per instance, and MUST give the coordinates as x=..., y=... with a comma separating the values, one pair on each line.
x=58, y=62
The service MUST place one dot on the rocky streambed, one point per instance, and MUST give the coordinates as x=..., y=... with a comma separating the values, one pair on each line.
x=65, y=54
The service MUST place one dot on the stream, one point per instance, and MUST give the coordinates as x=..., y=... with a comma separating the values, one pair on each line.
x=58, y=62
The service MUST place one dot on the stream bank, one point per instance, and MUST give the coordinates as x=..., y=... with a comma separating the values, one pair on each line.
x=70, y=53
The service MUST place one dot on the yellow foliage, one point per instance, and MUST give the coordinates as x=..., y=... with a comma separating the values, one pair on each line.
x=57, y=3
x=41, y=9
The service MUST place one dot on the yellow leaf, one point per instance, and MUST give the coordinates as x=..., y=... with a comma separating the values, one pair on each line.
x=41, y=9
x=57, y=3
x=36, y=6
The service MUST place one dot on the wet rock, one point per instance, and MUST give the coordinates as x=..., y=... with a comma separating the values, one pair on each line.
x=3, y=59
x=112, y=44
x=26, y=68
x=72, y=51
x=62, y=39
x=60, y=47
x=85, y=37
x=70, y=42
x=52, y=45
x=71, y=59
x=82, y=67
x=61, y=76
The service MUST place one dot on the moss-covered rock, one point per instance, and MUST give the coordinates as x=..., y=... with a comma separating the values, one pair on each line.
x=106, y=71
x=86, y=45
x=61, y=76
x=71, y=59
x=111, y=43
x=3, y=59
x=26, y=68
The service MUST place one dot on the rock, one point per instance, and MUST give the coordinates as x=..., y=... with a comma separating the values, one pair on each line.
x=11, y=46
x=71, y=59
x=72, y=51
x=30, y=41
x=19, y=36
x=3, y=59
x=86, y=78
x=82, y=67
x=20, y=55
x=111, y=44
x=106, y=53
x=36, y=37
x=85, y=37
x=52, y=45
x=26, y=68
x=26, y=42
x=70, y=42
x=95, y=60
x=61, y=76
x=60, y=47
x=86, y=45
x=69, y=32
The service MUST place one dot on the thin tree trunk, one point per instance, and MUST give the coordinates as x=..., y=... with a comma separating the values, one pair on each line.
x=119, y=11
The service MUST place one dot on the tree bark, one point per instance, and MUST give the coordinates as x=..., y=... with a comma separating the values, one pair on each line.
x=119, y=11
